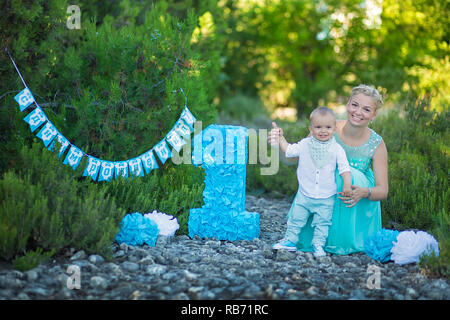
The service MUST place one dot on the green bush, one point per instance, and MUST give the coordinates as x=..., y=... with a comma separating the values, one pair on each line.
x=112, y=88
x=439, y=265
x=418, y=160
x=172, y=191
x=418, y=147
x=45, y=209
x=31, y=259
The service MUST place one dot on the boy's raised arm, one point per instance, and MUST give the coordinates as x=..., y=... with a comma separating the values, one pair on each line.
x=276, y=138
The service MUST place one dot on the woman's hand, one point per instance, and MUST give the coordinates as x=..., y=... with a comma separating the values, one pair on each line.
x=357, y=194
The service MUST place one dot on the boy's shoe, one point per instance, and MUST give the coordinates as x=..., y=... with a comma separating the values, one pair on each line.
x=285, y=244
x=318, y=252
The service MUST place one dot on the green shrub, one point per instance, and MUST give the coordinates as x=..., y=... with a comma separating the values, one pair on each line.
x=173, y=191
x=418, y=165
x=418, y=147
x=44, y=208
x=112, y=88
x=416, y=194
x=438, y=266
x=20, y=206
x=31, y=259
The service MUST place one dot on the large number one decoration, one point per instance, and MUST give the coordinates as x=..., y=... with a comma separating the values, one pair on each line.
x=222, y=152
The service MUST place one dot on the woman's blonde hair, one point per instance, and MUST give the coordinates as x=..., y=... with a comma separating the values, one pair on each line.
x=370, y=92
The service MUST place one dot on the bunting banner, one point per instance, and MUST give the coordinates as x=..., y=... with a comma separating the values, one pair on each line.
x=98, y=169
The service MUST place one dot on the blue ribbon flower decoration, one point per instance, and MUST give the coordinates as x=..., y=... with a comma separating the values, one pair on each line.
x=135, y=230
x=379, y=245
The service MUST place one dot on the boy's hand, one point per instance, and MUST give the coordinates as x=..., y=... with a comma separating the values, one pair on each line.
x=356, y=194
x=275, y=134
x=347, y=190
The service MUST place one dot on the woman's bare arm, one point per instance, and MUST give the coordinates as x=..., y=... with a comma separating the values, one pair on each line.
x=380, y=170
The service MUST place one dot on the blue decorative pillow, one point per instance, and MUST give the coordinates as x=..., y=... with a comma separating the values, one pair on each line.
x=379, y=245
x=135, y=230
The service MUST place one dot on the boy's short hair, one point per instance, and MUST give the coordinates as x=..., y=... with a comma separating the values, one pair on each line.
x=322, y=111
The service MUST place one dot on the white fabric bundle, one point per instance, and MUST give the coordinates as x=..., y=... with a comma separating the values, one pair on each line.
x=167, y=224
x=411, y=245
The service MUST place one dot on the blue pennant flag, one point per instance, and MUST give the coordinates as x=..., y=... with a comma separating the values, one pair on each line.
x=182, y=128
x=64, y=144
x=47, y=133
x=149, y=161
x=188, y=117
x=35, y=118
x=175, y=140
x=106, y=171
x=92, y=168
x=135, y=165
x=24, y=98
x=162, y=151
x=121, y=169
x=73, y=157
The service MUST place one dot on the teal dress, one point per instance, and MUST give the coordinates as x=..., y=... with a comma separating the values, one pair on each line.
x=350, y=226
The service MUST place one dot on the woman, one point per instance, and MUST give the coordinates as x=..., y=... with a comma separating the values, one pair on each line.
x=358, y=216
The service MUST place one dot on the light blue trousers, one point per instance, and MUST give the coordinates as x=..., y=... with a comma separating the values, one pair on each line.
x=322, y=209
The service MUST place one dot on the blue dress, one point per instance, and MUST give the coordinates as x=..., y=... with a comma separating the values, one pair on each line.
x=350, y=226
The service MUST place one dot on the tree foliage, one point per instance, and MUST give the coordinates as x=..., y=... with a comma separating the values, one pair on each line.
x=303, y=54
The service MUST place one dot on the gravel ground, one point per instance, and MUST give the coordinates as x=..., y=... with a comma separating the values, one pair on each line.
x=184, y=268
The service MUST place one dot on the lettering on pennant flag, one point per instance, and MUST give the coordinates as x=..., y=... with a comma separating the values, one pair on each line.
x=121, y=169
x=106, y=171
x=64, y=144
x=182, y=128
x=188, y=117
x=175, y=140
x=35, y=119
x=162, y=151
x=149, y=161
x=24, y=98
x=136, y=167
x=92, y=168
x=47, y=133
x=73, y=158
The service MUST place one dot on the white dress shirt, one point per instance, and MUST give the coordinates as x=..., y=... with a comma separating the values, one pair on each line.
x=314, y=182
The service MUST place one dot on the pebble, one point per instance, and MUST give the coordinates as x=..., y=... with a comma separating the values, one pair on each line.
x=183, y=268
x=95, y=259
x=79, y=255
x=99, y=282
x=130, y=266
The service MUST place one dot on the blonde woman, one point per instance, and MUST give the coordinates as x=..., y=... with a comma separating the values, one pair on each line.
x=357, y=216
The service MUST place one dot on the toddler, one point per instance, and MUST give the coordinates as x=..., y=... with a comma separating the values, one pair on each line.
x=318, y=155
